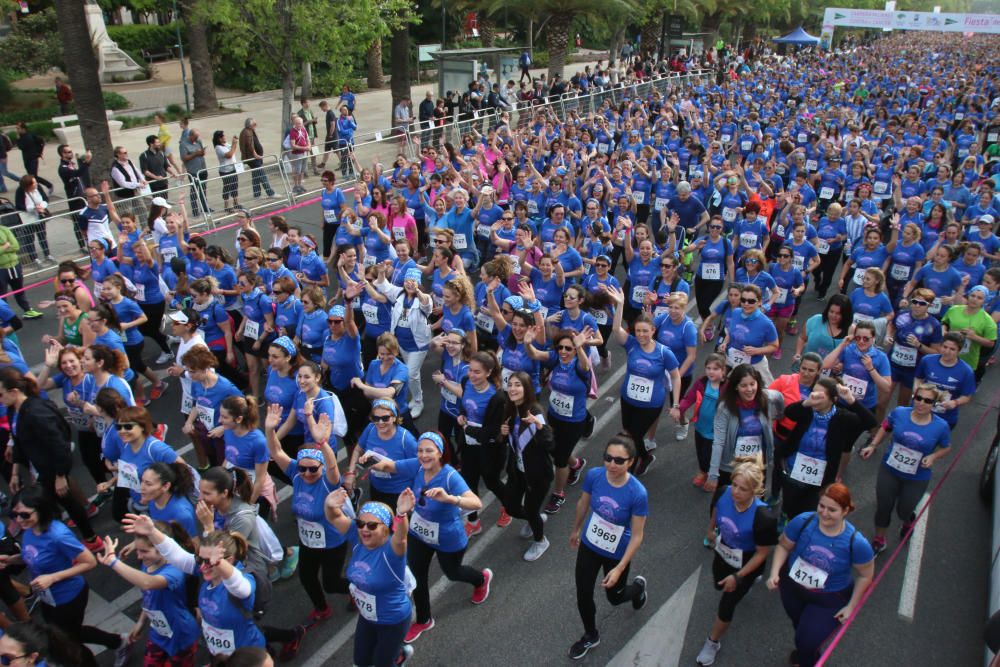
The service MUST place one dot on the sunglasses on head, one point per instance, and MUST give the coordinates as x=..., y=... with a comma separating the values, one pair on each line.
x=381, y=418
x=620, y=460
x=748, y=302
x=126, y=426
x=924, y=399
x=370, y=525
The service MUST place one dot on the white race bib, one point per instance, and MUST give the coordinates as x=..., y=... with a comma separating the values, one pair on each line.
x=735, y=356
x=600, y=315
x=639, y=293
x=484, y=321
x=251, y=329
x=639, y=388
x=399, y=233
x=808, y=470
x=602, y=148
x=798, y=262
x=219, y=641
x=158, y=623
x=128, y=475
x=748, y=240
x=992, y=137
x=747, y=445
x=904, y=459
x=483, y=230
x=880, y=187
x=732, y=557
x=369, y=260
x=782, y=296
x=140, y=292
x=411, y=212
x=168, y=253
x=428, y=531
x=448, y=397
x=505, y=374
x=659, y=203
x=857, y=386
x=746, y=145
x=729, y=214
x=187, y=404
x=460, y=242
x=365, y=602
x=711, y=271
x=312, y=534
x=370, y=311
x=822, y=247
x=808, y=575
x=561, y=404
x=899, y=272
x=604, y=535
x=826, y=193
x=329, y=216
x=639, y=196
x=726, y=138
x=903, y=355
x=859, y=276
x=206, y=416
x=935, y=307
x=812, y=165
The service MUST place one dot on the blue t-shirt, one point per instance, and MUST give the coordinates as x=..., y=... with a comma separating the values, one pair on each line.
x=313, y=330
x=678, y=337
x=870, y=307
x=402, y=445
x=835, y=556
x=172, y=627
x=785, y=280
x=246, y=451
x=515, y=358
x=608, y=527
x=436, y=524
x=813, y=442
x=463, y=320
x=736, y=528
x=942, y=283
x=953, y=381
x=569, y=387
x=342, y=356
x=287, y=315
x=178, y=509
x=307, y=506
x=453, y=371
x=212, y=319
x=147, y=282
x=904, y=258
x=903, y=356
x=228, y=627
x=132, y=464
x=830, y=229
x=911, y=442
x=281, y=391
x=208, y=401
x=129, y=311
x=323, y=404
x=706, y=413
x=397, y=373
x=713, y=255
x=858, y=379
x=378, y=582
x=226, y=275
x=755, y=331
x=648, y=374
x=53, y=551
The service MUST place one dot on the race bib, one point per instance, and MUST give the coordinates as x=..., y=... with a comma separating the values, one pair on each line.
x=604, y=535
x=639, y=388
x=460, y=242
x=78, y=419
x=822, y=247
x=639, y=196
x=47, y=597
x=206, y=416
x=779, y=231
x=798, y=262
x=602, y=148
x=903, y=355
x=808, y=470
x=219, y=641
x=140, y=292
x=729, y=214
x=899, y=272
x=369, y=260
x=561, y=404
x=639, y=293
x=532, y=206
x=732, y=557
x=966, y=346
x=747, y=445
x=880, y=187
x=746, y=146
x=808, y=575
x=158, y=623
x=857, y=386
x=783, y=296
x=312, y=534
x=904, y=459
x=100, y=425
x=659, y=203
x=935, y=307
x=187, y=404
x=811, y=165
x=399, y=233
x=483, y=231
x=600, y=316
x=959, y=116
x=826, y=193
x=251, y=330
x=365, y=602
x=128, y=475
x=428, y=531
x=802, y=138
x=735, y=357
x=329, y=216
x=448, y=397
x=711, y=271
x=748, y=240
x=404, y=319
x=726, y=138
x=370, y=311
x=484, y=321
x=168, y=253
x=859, y=276
x=992, y=137
x=505, y=374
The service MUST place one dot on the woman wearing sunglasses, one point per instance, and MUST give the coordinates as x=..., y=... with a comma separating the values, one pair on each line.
x=715, y=266
x=377, y=572
x=866, y=370
x=436, y=525
x=912, y=334
x=609, y=525
x=383, y=438
x=750, y=336
x=173, y=636
x=918, y=439
x=789, y=286
x=314, y=475
x=941, y=277
x=32, y=643
x=287, y=306
x=56, y=563
x=752, y=271
x=310, y=331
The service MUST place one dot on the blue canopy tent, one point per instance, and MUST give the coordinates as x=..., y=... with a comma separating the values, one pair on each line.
x=799, y=37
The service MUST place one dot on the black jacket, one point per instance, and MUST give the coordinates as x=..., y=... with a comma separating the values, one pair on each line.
x=537, y=454
x=42, y=438
x=845, y=427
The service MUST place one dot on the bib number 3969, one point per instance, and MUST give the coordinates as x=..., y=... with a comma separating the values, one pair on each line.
x=604, y=535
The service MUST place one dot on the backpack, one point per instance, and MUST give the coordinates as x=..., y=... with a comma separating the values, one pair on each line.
x=286, y=143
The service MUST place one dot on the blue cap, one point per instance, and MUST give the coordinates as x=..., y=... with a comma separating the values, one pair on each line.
x=433, y=437
x=337, y=311
x=413, y=274
x=514, y=301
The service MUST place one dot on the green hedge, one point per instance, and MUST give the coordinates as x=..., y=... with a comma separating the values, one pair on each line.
x=43, y=128
x=112, y=101
x=136, y=37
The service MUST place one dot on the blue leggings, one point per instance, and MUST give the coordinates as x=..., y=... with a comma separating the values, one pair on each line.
x=812, y=615
x=378, y=645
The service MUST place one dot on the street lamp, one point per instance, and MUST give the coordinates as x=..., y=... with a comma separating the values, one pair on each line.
x=180, y=47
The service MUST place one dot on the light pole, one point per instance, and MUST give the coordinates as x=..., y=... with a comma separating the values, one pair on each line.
x=180, y=47
x=444, y=26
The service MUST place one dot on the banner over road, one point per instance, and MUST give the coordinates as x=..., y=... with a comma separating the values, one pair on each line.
x=903, y=20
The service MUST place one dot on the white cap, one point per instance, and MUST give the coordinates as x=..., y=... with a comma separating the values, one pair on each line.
x=179, y=317
x=987, y=218
x=160, y=201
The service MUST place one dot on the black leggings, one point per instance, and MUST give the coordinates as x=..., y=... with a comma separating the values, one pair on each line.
x=588, y=567
x=232, y=373
x=419, y=556
x=602, y=349
x=331, y=562
x=69, y=503
x=523, y=498
x=895, y=492
x=484, y=462
x=329, y=234
x=135, y=362
x=13, y=279
x=378, y=645
x=727, y=603
x=703, y=450
x=797, y=497
x=377, y=496
x=636, y=422
x=90, y=453
x=705, y=293
x=566, y=435
x=154, y=319
x=68, y=617
x=826, y=271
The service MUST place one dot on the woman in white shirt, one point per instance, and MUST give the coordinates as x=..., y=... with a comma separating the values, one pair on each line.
x=31, y=202
x=226, y=152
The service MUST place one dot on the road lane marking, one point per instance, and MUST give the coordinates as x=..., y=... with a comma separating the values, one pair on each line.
x=914, y=557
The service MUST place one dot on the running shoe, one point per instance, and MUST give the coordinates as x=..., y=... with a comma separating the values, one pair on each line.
x=583, y=645
x=681, y=431
x=319, y=615
x=708, y=652
x=160, y=433
x=473, y=528
x=903, y=529
x=575, y=471
x=165, y=357
x=536, y=550
x=290, y=649
x=639, y=601
x=103, y=497
x=94, y=544
x=404, y=655
x=556, y=501
x=777, y=354
x=792, y=328
x=32, y=314
x=483, y=591
x=123, y=650
x=526, y=533
x=699, y=479
x=157, y=390
x=416, y=630
x=288, y=565
x=878, y=545
x=92, y=510
x=504, y=519
x=642, y=467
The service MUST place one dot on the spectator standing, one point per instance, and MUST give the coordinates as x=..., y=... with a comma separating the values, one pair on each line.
x=32, y=147
x=125, y=175
x=330, y=131
x=226, y=152
x=64, y=96
x=75, y=176
x=11, y=275
x=425, y=114
x=163, y=134
x=31, y=202
x=298, y=144
x=6, y=146
x=193, y=157
x=402, y=116
x=154, y=165
x=524, y=62
x=309, y=120
x=252, y=154
x=346, y=127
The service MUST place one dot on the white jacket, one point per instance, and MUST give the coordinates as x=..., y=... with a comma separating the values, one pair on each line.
x=416, y=317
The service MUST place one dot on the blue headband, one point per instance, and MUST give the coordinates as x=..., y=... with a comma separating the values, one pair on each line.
x=386, y=404
x=413, y=274
x=980, y=288
x=335, y=312
x=379, y=511
x=433, y=437
x=457, y=331
x=514, y=301
x=286, y=344
x=310, y=454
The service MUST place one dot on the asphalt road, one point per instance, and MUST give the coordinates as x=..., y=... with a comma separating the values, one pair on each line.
x=531, y=619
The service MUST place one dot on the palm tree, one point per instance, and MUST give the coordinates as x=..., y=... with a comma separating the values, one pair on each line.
x=399, y=83
x=81, y=66
x=374, y=56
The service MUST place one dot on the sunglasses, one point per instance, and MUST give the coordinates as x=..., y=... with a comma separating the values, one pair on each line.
x=507, y=218
x=277, y=292
x=422, y=501
x=620, y=460
x=751, y=260
x=748, y=302
x=303, y=468
x=370, y=525
x=69, y=281
x=126, y=426
x=8, y=659
x=567, y=348
x=667, y=266
x=715, y=226
x=439, y=241
x=784, y=255
x=604, y=264
x=924, y=399
x=381, y=418
x=21, y=515
x=918, y=302
x=273, y=259
x=863, y=338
